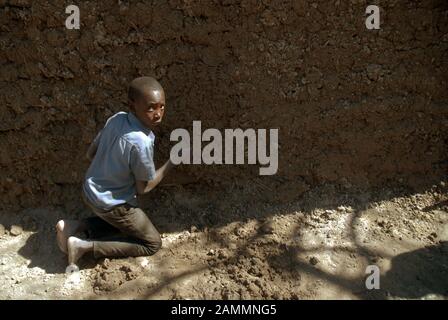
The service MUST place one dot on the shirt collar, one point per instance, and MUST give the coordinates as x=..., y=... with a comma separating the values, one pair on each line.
x=135, y=122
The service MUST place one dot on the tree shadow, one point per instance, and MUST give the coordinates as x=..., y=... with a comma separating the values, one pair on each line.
x=178, y=209
x=42, y=251
x=418, y=273
x=412, y=275
x=175, y=208
x=439, y=205
x=360, y=201
x=355, y=286
x=232, y=260
x=40, y=248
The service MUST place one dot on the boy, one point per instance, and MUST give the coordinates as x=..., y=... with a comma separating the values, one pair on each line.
x=122, y=166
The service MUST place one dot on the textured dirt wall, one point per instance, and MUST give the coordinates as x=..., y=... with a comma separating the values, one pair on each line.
x=352, y=106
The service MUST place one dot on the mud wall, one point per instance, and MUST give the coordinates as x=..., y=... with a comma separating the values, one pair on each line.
x=353, y=106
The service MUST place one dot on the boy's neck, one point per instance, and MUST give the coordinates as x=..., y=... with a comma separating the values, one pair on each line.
x=145, y=128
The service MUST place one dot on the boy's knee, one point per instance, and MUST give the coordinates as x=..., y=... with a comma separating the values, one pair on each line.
x=157, y=244
x=154, y=243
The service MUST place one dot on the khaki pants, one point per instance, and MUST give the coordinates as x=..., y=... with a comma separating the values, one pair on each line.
x=124, y=231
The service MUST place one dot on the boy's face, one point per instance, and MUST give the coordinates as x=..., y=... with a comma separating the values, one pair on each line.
x=149, y=108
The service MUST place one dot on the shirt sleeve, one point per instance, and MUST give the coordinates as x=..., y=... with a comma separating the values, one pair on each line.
x=96, y=141
x=142, y=163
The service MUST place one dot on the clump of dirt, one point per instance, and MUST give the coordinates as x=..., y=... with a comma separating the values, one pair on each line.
x=246, y=271
x=110, y=276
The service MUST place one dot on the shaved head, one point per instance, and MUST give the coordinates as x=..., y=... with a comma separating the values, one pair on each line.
x=143, y=85
x=147, y=101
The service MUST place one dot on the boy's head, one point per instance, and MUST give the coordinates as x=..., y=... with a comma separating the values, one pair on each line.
x=147, y=101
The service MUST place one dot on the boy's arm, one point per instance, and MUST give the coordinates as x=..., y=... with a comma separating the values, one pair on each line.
x=91, y=151
x=146, y=186
x=93, y=147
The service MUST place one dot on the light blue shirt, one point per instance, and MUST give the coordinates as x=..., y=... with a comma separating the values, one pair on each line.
x=125, y=150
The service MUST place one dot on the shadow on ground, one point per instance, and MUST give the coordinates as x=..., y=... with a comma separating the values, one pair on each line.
x=416, y=274
x=412, y=275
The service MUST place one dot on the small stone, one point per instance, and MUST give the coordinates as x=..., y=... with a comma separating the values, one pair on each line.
x=252, y=288
x=193, y=229
x=314, y=261
x=105, y=264
x=211, y=252
x=16, y=230
x=2, y=230
x=267, y=228
x=432, y=236
x=222, y=254
x=374, y=72
x=142, y=261
x=232, y=270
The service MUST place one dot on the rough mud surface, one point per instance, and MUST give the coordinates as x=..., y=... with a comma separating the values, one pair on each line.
x=352, y=105
x=362, y=119
x=317, y=247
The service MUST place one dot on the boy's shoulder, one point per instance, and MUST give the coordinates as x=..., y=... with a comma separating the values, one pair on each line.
x=138, y=139
x=119, y=116
x=130, y=130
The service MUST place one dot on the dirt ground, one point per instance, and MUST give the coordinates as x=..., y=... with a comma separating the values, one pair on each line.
x=314, y=247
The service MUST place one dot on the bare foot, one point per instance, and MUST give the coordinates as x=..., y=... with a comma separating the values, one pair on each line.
x=77, y=248
x=65, y=229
